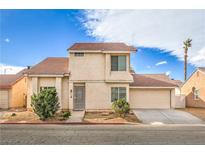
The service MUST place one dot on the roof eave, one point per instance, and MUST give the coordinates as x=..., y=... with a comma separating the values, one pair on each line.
x=153, y=87
x=48, y=75
x=5, y=87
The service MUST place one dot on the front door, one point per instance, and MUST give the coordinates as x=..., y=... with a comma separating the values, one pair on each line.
x=79, y=97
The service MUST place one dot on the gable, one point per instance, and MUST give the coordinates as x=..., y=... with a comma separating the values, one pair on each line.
x=196, y=73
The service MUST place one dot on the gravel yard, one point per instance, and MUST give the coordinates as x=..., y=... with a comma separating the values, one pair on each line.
x=109, y=117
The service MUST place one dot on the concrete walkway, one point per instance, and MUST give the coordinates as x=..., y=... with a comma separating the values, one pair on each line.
x=166, y=116
x=76, y=116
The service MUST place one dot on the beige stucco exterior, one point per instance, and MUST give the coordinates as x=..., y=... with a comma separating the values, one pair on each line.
x=97, y=67
x=97, y=94
x=18, y=93
x=197, y=80
x=60, y=83
x=93, y=70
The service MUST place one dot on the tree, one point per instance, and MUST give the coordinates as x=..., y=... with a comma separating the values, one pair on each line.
x=187, y=45
x=45, y=104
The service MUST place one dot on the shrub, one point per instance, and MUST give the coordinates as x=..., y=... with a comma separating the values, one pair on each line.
x=45, y=104
x=121, y=107
x=65, y=115
x=13, y=114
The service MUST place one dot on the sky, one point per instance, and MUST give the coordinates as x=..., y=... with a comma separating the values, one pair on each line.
x=29, y=36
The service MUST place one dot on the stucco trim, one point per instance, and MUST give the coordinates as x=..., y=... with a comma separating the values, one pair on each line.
x=99, y=51
x=86, y=51
x=153, y=87
x=201, y=71
x=117, y=52
x=44, y=75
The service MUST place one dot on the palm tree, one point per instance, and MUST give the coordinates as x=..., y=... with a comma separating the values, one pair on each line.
x=187, y=44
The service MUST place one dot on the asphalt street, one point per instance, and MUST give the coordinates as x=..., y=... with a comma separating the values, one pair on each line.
x=101, y=134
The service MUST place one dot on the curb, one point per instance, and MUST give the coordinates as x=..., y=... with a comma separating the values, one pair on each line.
x=84, y=123
x=66, y=123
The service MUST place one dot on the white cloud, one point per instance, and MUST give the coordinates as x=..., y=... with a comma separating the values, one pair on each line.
x=161, y=63
x=9, y=69
x=168, y=73
x=7, y=40
x=164, y=29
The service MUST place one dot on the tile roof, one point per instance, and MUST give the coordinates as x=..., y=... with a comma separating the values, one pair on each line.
x=102, y=46
x=153, y=80
x=7, y=80
x=50, y=66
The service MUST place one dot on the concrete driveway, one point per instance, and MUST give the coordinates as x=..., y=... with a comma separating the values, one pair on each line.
x=166, y=116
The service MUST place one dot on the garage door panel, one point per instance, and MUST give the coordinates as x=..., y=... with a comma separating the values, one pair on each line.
x=4, y=99
x=144, y=98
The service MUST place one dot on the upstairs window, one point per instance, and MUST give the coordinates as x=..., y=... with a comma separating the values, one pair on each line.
x=196, y=94
x=79, y=54
x=118, y=93
x=118, y=63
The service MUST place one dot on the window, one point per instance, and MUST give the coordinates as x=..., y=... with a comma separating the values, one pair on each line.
x=41, y=88
x=118, y=63
x=79, y=54
x=196, y=94
x=118, y=93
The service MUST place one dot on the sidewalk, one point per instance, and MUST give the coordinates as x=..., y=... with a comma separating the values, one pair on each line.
x=76, y=116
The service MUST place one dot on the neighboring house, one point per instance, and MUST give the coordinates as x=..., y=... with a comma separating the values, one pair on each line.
x=96, y=74
x=13, y=90
x=194, y=89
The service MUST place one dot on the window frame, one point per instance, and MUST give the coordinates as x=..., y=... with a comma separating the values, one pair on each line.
x=46, y=87
x=118, y=93
x=116, y=67
x=196, y=94
x=79, y=54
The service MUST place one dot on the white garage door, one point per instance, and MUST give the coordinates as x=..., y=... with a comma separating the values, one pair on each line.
x=150, y=98
x=4, y=99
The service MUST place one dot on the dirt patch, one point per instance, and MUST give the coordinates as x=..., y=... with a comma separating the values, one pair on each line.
x=26, y=116
x=12, y=116
x=109, y=117
x=198, y=112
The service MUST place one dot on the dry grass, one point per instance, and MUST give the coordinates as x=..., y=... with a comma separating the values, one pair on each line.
x=199, y=112
x=109, y=117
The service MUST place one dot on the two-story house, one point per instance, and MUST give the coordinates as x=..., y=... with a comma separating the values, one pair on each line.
x=96, y=74
x=99, y=74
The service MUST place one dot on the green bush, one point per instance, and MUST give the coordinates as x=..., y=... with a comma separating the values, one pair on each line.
x=13, y=114
x=45, y=104
x=65, y=115
x=121, y=107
